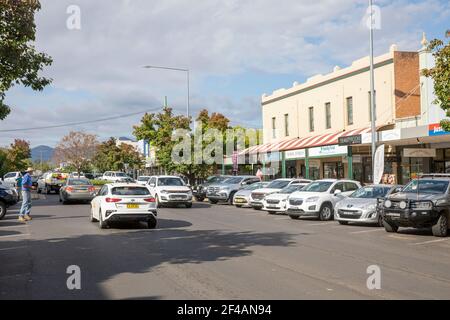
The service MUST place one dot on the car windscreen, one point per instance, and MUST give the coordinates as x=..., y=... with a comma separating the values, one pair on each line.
x=426, y=186
x=277, y=184
x=130, y=191
x=233, y=181
x=291, y=189
x=216, y=179
x=120, y=174
x=143, y=178
x=319, y=186
x=255, y=186
x=371, y=192
x=172, y=182
x=79, y=182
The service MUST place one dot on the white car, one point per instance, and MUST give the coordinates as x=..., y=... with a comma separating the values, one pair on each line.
x=124, y=203
x=143, y=180
x=277, y=202
x=257, y=196
x=170, y=190
x=318, y=199
x=114, y=176
x=10, y=179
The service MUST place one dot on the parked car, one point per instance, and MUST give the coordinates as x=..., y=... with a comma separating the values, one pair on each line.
x=242, y=197
x=170, y=190
x=277, y=202
x=362, y=205
x=423, y=203
x=51, y=182
x=114, y=176
x=201, y=190
x=143, y=180
x=257, y=196
x=124, y=203
x=10, y=179
x=77, y=189
x=225, y=191
x=8, y=198
x=319, y=198
x=77, y=175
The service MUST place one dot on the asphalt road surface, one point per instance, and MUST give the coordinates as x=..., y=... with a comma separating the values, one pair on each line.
x=215, y=252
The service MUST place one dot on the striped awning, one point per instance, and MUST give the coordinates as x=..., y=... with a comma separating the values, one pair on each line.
x=303, y=143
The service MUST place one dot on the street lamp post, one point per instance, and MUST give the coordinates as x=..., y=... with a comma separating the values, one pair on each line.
x=188, y=83
x=372, y=92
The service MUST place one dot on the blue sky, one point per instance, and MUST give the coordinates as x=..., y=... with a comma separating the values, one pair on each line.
x=236, y=51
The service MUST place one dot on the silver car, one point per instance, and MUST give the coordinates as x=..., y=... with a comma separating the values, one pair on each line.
x=361, y=206
x=77, y=190
x=242, y=197
x=225, y=190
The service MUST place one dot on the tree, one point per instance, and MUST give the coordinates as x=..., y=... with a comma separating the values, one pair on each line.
x=76, y=149
x=441, y=76
x=18, y=155
x=109, y=156
x=20, y=63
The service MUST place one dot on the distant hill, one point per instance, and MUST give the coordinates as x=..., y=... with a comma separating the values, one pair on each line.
x=44, y=151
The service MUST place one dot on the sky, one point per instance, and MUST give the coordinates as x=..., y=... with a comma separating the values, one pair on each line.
x=236, y=50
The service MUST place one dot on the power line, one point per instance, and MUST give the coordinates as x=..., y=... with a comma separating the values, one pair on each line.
x=81, y=122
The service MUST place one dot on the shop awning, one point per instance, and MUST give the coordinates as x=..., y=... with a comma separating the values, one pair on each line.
x=303, y=143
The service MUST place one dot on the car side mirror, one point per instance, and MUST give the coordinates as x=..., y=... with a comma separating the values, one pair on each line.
x=152, y=185
x=337, y=192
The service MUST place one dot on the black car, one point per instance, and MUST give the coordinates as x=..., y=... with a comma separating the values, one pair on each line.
x=8, y=197
x=199, y=191
x=423, y=203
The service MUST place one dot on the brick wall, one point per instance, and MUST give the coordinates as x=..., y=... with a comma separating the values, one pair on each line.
x=407, y=80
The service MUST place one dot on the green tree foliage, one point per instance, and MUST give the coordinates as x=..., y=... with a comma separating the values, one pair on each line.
x=18, y=155
x=109, y=156
x=441, y=76
x=20, y=63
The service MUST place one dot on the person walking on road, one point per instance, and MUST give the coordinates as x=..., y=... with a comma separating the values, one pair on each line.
x=260, y=174
x=27, y=184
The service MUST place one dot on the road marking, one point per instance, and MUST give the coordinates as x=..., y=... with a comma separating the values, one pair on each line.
x=13, y=248
x=320, y=224
x=366, y=231
x=16, y=235
x=16, y=226
x=428, y=242
x=279, y=219
x=400, y=237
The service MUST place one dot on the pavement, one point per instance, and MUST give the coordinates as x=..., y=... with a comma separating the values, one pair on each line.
x=214, y=252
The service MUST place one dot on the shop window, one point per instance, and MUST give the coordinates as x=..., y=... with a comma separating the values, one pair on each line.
x=333, y=170
x=274, y=128
x=311, y=119
x=350, y=111
x=286, y=125
x=328, y=115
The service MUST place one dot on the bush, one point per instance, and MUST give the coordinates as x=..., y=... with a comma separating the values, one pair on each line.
x=99, y=182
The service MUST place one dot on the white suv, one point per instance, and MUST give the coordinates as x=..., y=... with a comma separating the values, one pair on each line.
x=114, y=176
x=10, y=179
x=319, y=198
x=170, y=190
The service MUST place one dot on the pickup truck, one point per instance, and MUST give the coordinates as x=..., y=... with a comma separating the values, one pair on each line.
x=51, y=182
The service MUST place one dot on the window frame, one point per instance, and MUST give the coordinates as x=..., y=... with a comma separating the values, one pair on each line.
x=328, y=115
x=311, y=119
x=350, y=115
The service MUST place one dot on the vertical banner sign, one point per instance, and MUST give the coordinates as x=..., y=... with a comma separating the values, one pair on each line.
x=378, y=167
x=235, y=162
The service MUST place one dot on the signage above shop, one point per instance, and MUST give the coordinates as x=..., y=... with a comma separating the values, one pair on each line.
x=334, y=150
x=296, y=154
x=391, y=135
x=436, y=130
x=349, y=141
x=419, y=153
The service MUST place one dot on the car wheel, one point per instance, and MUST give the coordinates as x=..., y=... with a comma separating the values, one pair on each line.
x=188, y=205
x=389, y=227
x=213, y=201
x=271, y=213
x=257, y=208
x=101, y=224
x=2, y=210
x=39, y=190
x=326, y=212
x=152, y=223
x=440, y=229
x=92, y=216
x=380, y=220
x=199, y=199
x=238, y=206
x=48, y=190
x=158, y=202
x=294, y=217
x=344, y=223
x=231, y=198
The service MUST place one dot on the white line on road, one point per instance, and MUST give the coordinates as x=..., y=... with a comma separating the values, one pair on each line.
x=367, y=231
x=279, y=219
x=16, y=235
x=320, y=224
x=16, y=226
x=428, y=242
x=13, y=248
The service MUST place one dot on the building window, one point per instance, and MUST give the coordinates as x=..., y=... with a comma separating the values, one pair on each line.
x=370, y=103
x=328, y=115
x=274, y=128
x=286, y=125
x=350, y=111
x=311, y=119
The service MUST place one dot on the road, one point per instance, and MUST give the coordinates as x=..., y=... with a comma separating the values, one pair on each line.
x=215, y=252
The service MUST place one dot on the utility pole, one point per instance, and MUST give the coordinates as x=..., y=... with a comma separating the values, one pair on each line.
x=372, y=92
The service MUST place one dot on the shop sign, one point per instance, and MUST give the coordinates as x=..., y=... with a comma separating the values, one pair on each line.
x=436, y=130
x=391, y=135
x=419, y=153
x=271, y=157
x=349, y=141
x=356, y=159
x=334, y=150
x=296, y=154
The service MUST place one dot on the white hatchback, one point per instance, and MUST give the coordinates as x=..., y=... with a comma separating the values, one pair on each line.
x=124, y=203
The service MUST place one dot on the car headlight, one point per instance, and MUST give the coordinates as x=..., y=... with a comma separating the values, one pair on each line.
x=372, y=207
x=164, y=192
x=388, y=203
x=313, y=199
x=403, y=205
x=225, y=189
x=10, y=192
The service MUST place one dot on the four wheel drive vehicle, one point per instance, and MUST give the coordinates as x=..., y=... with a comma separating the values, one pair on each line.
x=277, y=202
x=423, y=203
x=77, y=190
x=114, y=176
x=242, y=197
x=362, y=205
x=51, y=181
x=200, y=190
x=143, y=180
x=124, y=203
x=257, y=197
x=319, y=198
x=225, y=191
x=8, y=197
x=10, y=179
x=168, y=190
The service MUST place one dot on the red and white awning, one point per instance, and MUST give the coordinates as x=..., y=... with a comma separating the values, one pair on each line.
x=304, y=143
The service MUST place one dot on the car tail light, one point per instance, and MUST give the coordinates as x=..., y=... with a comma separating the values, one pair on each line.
x=91, y=189
x=69, y=189
x=113, y=200
x=152, y=200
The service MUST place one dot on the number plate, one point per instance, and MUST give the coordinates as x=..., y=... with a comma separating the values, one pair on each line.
x=132, y=206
